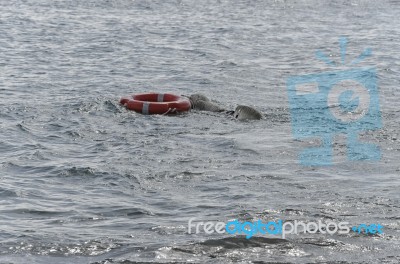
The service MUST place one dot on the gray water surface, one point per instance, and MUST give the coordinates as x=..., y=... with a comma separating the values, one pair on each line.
x=83, y=180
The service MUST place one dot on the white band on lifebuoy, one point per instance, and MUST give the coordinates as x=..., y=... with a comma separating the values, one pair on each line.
x=160, y=98
x=145, y=108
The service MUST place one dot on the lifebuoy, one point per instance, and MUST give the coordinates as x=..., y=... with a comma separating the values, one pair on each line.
x=155, y=103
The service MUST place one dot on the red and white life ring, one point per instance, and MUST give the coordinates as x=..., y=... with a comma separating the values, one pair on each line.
x=155, y=103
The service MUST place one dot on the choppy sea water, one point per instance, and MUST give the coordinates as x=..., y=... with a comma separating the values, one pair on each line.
x=83, y=180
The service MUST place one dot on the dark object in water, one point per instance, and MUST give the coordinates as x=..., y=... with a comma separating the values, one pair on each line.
x=201, y=102
x=243, y=112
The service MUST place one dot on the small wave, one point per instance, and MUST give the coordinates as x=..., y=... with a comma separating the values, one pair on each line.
x=7, y=193
x=87, y=248
x=229, y=248
x=74, y=171
x=35, y=212
x=11, y=166
x=100, y=104
x=242, y=242
x=23, y=128
x=130, y=212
